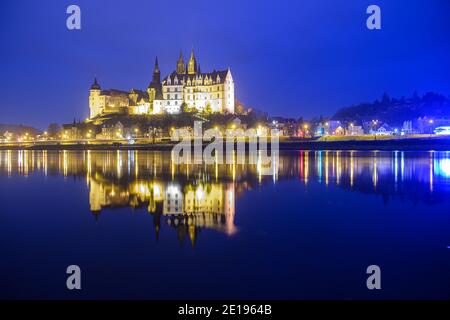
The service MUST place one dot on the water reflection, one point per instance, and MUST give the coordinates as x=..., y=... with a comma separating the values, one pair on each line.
x=192, y=197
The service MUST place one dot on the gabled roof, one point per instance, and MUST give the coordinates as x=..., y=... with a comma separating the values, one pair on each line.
x=140, y=94
x=211, y=75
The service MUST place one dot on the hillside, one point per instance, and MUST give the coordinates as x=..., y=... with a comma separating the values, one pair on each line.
x=18, y=129
x=396, y=111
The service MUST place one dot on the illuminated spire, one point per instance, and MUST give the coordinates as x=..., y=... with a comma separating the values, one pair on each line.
x=181, y=67
x=192, y=64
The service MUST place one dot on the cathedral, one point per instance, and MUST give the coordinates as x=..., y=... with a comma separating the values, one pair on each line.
x=186, y=89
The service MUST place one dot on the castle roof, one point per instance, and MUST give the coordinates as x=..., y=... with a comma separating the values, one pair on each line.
x=140, y=94
x=95, y=85
x=192, y=77
x=114, y=92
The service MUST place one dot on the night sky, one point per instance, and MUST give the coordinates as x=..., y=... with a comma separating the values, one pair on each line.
x=289, y=58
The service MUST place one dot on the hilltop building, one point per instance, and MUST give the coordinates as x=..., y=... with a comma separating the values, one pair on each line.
x=185, y=89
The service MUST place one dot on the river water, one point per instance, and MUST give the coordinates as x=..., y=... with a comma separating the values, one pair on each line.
x=139, y=226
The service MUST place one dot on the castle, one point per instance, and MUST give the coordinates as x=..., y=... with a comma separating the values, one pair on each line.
x=186, y=89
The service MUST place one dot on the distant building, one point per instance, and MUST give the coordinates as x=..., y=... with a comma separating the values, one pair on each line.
x=407, y=127
x=332, y=126
x=71, y=132
x=384, y=130
x=287, y=127
x=184, y=132
x=111, y=131
x=353, y=130
x=339, y=131
x=155, y=133
x=320, y=130
x=7, y=136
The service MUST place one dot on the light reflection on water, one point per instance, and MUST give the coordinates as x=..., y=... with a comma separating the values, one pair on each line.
x=321, y=198
x=328, y=167
x=322, y=165
x=204, y=195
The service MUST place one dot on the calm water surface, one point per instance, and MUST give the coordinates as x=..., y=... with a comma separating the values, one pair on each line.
x=141, y=227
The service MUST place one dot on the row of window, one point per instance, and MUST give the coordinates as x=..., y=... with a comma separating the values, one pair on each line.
x=197, y=202
x=172, y=89
x=191, y=90
x=190, y=97
x=194, y=82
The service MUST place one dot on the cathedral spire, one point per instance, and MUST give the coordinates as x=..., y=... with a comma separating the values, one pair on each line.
x=181, y=67
x=156, y=79
x=156, y=65
x=192, y=64
x=156, y=72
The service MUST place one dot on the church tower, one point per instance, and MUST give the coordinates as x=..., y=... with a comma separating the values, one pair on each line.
x=156, y=73
x=154, y=88
x=192, y=64
x=181, y=67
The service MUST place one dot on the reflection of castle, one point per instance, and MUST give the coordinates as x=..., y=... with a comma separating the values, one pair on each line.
x=195, y=206
x=191, y=197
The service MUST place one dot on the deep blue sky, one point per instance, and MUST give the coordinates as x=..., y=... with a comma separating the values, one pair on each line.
x=290, y=58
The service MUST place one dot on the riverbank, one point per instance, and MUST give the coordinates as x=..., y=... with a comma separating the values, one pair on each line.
x=422, y=143
x=413, y=144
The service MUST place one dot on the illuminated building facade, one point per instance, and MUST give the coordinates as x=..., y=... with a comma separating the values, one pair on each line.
x=185, y=89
